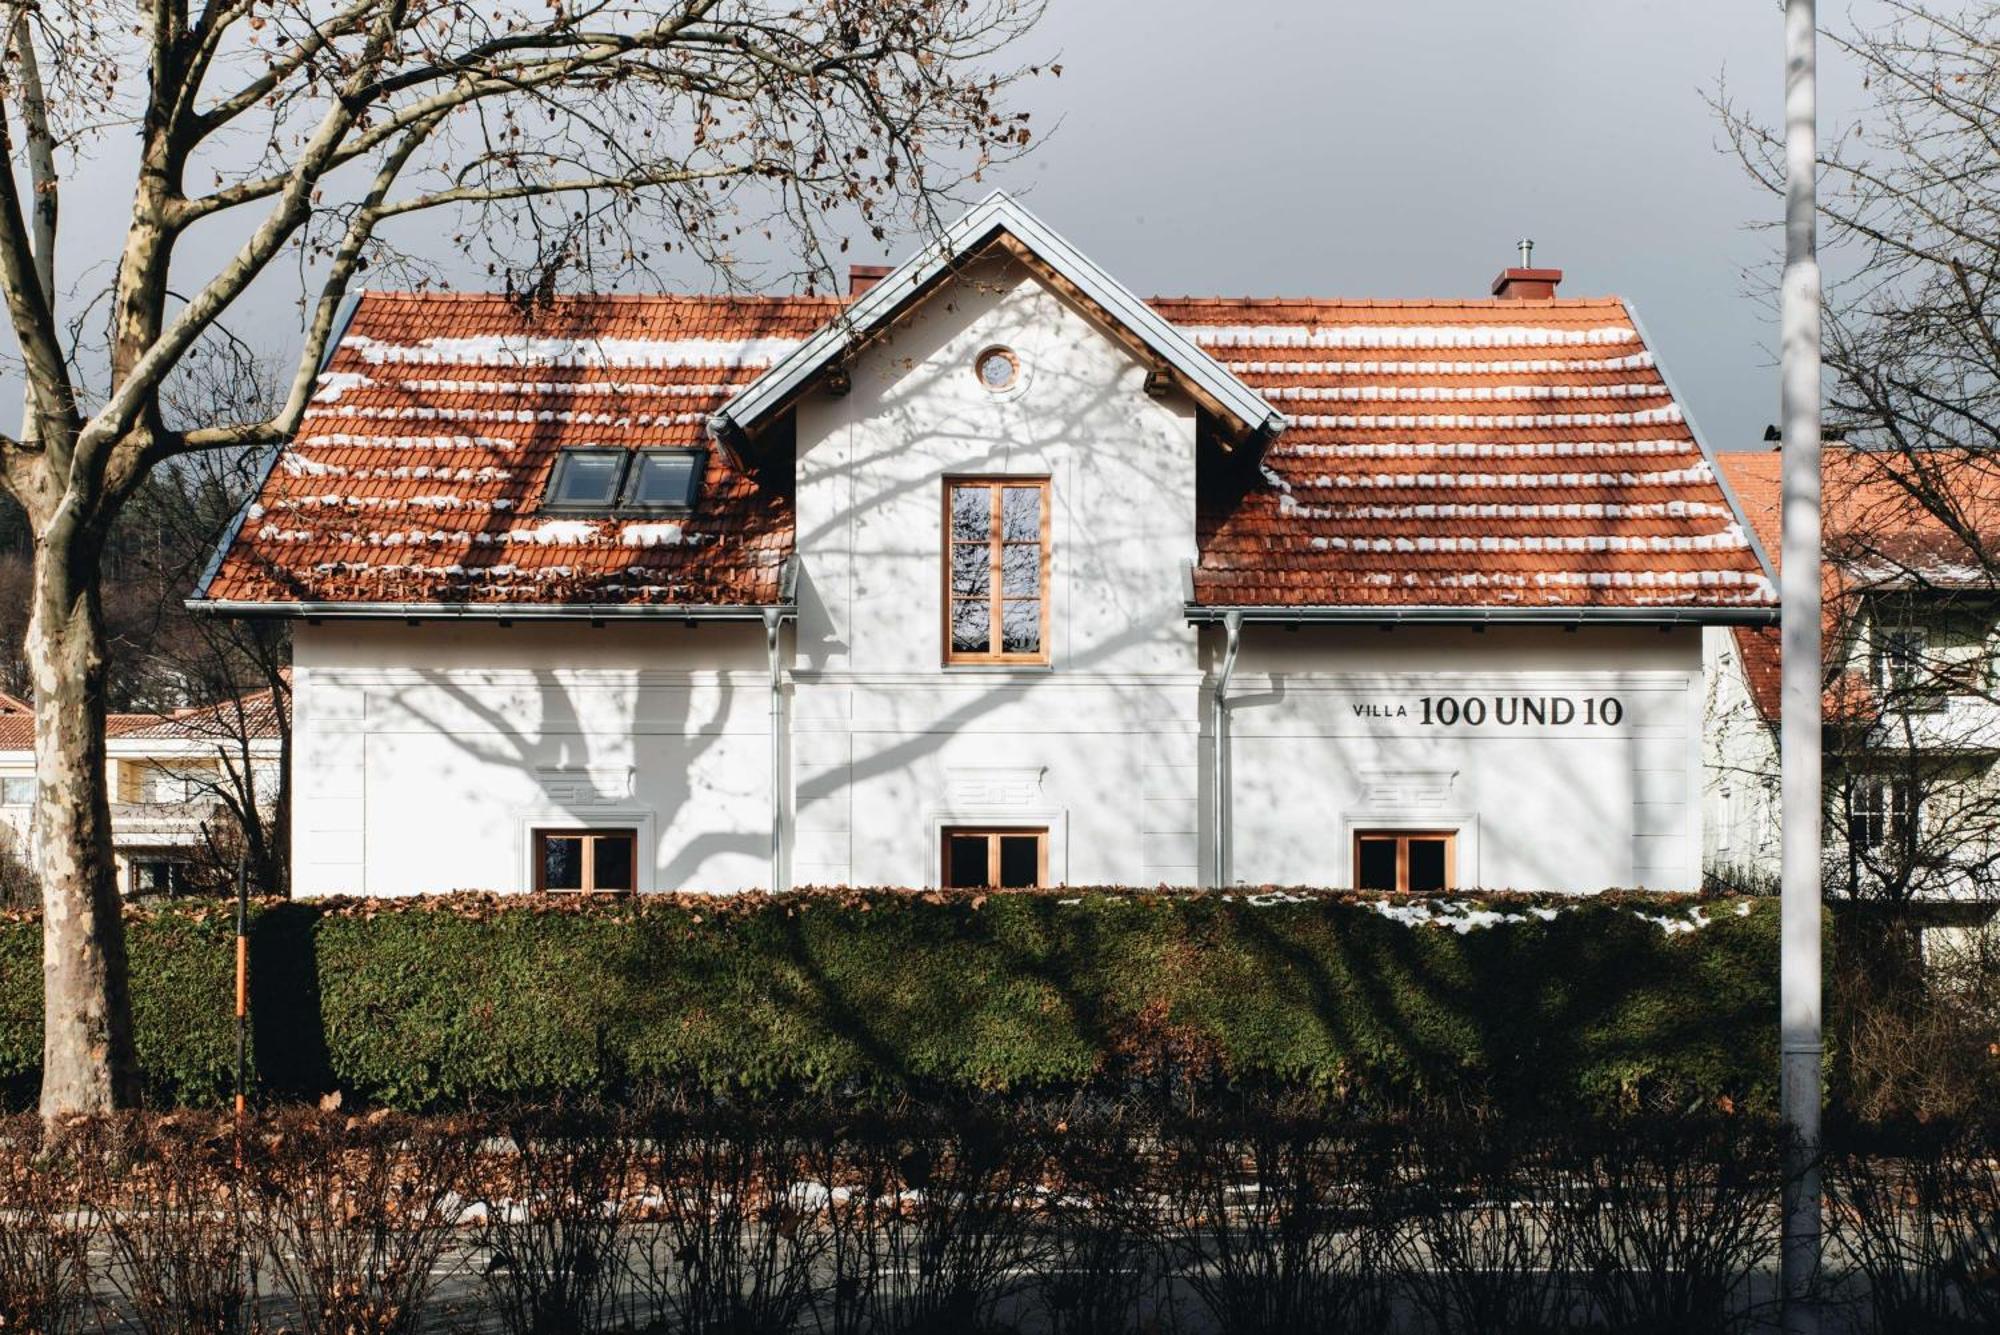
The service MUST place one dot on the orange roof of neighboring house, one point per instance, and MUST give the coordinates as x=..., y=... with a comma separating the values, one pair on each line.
x=17, y=723
x=1891, y=519
x=1456, y=454
x=251, y=716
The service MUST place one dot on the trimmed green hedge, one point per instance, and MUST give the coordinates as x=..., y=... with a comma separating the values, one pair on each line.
x=443, y=1000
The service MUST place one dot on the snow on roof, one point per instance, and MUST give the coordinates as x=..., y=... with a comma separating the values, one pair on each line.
x=1498, y=453
x=1565, y=480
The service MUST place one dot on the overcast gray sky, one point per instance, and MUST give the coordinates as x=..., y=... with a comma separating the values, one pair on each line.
x=1369, y=149
x=1346, y=148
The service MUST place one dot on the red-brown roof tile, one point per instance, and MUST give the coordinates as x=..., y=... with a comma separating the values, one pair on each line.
x=252, y=717
x=17, y=723
x=1493, y=453
x=417, y=473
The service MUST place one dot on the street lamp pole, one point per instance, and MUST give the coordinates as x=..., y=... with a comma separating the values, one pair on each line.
x=1799, y=631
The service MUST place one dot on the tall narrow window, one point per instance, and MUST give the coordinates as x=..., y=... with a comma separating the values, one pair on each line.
x=586, y=860
x=996, y=570
x=1405, y=861
x=1885, y=812
x=1006, y=859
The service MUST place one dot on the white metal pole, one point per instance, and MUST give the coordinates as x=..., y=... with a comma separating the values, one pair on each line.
x=1799, y=740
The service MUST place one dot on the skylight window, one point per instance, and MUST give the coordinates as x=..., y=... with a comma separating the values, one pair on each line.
x=586, y=479
x=608, y=479
x=664, y=479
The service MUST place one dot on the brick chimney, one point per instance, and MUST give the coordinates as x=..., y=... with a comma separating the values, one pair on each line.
x=861, y=277
x=1524, y=282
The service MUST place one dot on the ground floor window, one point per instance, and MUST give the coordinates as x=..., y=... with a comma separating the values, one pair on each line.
x=586, y=860
x=995, y=859
x=1405, y=861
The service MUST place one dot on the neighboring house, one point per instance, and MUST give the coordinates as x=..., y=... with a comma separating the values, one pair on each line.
x=172, y=779
x=960, y=581
x=1912, y=720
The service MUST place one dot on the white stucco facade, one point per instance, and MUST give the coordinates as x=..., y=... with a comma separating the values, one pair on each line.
x=1561, y=758
x=1739, y=773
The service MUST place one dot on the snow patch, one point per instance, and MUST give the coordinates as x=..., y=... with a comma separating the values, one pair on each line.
x=1693, y=922
x=332, y=384
x=660, y=534
x=1457, y=915
x=519, y=350
x=555, y=532
x=1404, y=336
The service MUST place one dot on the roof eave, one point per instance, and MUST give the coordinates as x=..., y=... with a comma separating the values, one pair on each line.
x=390, y=611
x=1423, y=614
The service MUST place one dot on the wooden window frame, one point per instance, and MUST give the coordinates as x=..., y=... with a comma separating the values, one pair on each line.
x=1401, y=839
x=993, y=834
x=590, y=835
x=995, y=598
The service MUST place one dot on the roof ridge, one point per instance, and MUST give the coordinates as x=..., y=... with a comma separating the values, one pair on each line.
x=1396, y=303
x=633, y=298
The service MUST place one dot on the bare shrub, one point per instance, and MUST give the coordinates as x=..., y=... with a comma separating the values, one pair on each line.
x=735, y=1240
x=1100, y=1256
x=357, y=1214
x=1477, y=1235
x=1674, y=1215
x=926, y=1217
x=1916, y=1212
x=166, y=1190
x=1914, y=1037
x=45, y=1232
x=1277, y=1218
x=554, y=1219
x=20, y=888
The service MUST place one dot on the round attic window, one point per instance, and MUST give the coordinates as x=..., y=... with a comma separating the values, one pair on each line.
x=997, y=368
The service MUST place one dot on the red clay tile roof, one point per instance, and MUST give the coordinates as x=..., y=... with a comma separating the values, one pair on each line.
x=1493, y=453
x=226, y=720
x=417, y=473
x=251, y=717
x=1889, y=519
x=17, y=723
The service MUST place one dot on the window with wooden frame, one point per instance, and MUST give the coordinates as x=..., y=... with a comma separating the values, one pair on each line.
x=586, y=860
x=996, y=570
x=1405, y=861
x=1015, y=858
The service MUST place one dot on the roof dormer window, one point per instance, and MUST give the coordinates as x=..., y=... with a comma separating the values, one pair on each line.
x=612, y=479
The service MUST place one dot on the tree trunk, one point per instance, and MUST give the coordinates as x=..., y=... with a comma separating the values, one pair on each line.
x=88, y=1063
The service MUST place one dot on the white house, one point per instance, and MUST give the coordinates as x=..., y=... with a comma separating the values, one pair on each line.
x=175, y=780
x=959, y=581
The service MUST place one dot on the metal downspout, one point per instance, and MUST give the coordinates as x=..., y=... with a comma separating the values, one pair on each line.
x=772, y=622
x=1232, y=631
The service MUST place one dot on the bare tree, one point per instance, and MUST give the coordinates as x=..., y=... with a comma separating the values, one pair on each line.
x=1910, y=207
x=571, y=141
